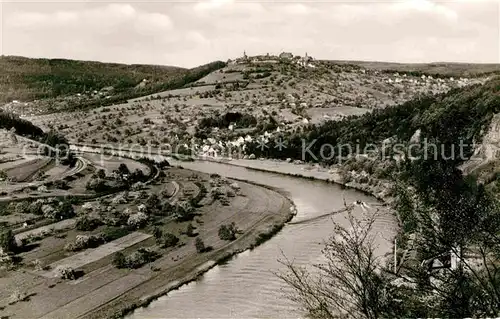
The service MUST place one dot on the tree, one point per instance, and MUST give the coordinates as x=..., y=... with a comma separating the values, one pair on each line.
x=158, y=234
x=190, y=230
x=86, y=223
x=7, y=241
x=349, y=283
x=169, y=240
x=101, y=174
x=199, y=245
x=152, y=202
x=119, y=260
x=65, y=210
x=227, y=232
x=3, y=175
x=123, y=169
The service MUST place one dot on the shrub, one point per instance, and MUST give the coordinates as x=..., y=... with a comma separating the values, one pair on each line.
x=68, y=273
x=63, y=211
x=169, y=240
x=7, y=241
x=137, y=220
x=86, y=223
x=140, y=257
x=119, y=260
x=190, y=230
x=101, y=174
x=152, y=202
x=112, y=233
x=83, y=242
x=158, y=234
x=227, y=232
x=35, y=207
x=199, y=245
x=96, y=184
x=183, y=211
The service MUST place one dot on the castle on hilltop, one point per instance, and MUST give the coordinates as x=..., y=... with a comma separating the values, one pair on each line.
x=268, y=58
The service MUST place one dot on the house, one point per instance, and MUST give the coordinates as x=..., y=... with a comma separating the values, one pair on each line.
x=286, y=55
x=305, y=61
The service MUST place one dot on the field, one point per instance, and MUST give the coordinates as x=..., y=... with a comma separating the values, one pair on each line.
x=104, y=289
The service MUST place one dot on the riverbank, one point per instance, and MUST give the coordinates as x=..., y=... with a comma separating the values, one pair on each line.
x=275, y=211
x=380, y=191
x=106, y=292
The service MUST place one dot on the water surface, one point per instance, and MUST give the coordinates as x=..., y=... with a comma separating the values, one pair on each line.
x=246, y=286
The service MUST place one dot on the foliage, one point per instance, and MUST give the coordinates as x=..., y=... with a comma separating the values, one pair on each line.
x=101, y=174
x=96, y=184
x=136, y=259
x=153, y=202
x=28, y=79
x=183, y=211
x=112, y=233
x=137, y=220
x=223, y=121
x=119, y=260
x=228, y=232
x=68, y=273
x=86, y=223
x=85, y=241
x=199, y=245
x=349, y=283
x=21, y=126
x=190, y=230
x=460, y=114
x=7, y=241
x=169, y=240
x=65, y=210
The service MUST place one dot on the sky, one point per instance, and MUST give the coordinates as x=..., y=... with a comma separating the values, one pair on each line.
x=191, y=33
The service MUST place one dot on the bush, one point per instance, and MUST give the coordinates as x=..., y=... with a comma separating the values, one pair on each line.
x=158, y=234
x=35, y=207
x=137, y=220
x=68, y=273
x=227, y=232
x=101, y=174
x=183, y=211
x=199, y=245
x=112, y=233
x=64, y=210
x=86, y=223
x=119, y=260
x=136, y=259
x=190, y=230
x=96, y=184
x=169, y=240
x=83, y=242
x=7, y=241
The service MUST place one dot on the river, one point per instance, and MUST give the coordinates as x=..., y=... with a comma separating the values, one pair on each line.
x=246, y=286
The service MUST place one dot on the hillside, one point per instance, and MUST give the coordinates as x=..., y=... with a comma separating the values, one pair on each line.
x=27, y=79
x=437, y=69
x=262, y=93
x=60, y=84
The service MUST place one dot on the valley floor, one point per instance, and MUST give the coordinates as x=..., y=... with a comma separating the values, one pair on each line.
x=105, y=291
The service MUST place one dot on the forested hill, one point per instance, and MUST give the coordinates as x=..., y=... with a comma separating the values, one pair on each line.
x=65, y=85
x=461, y=114
x=26, y=79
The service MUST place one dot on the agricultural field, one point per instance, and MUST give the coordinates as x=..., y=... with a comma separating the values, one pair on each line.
x=72, y=268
